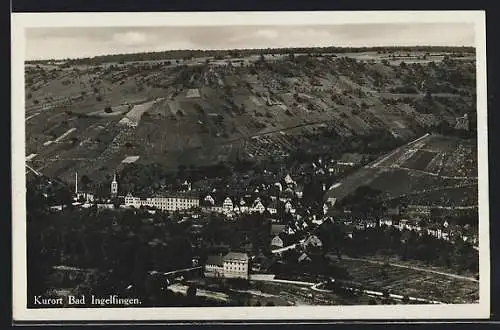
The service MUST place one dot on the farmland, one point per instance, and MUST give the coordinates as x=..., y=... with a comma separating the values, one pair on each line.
x=435, y=171
x=407, y=281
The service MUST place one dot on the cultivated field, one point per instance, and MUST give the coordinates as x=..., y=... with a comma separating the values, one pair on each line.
x=435, y=171
x=411, y=282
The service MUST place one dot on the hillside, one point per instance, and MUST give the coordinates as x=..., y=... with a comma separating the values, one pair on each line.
x=97, y=118
x=430, y=171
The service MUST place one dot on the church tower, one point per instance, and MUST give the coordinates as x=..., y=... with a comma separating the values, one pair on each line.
x=114, y=187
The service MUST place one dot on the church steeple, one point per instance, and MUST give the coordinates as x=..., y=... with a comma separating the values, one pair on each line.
x=114, y=186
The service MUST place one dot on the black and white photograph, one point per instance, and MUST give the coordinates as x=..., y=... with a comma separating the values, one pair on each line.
x=250, y=166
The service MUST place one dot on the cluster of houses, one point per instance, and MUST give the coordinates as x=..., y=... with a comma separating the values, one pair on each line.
x=245, y=204
x=287, y=198
x=228, y=205
x=443, y=230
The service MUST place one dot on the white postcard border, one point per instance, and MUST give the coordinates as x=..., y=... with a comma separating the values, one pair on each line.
x=20, y=21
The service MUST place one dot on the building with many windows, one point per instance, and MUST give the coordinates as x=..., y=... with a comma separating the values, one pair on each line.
x=169, y=203
x=232, y=265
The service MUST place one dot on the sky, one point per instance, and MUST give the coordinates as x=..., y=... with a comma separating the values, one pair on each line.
x=77, y=42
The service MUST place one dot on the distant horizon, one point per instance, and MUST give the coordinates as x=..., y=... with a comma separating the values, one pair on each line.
x=59, y=43
x=369, y=48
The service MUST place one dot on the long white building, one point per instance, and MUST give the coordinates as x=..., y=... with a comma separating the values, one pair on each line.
x=168, y=203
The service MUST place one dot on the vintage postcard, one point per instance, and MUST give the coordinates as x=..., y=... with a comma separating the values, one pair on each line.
x=250, y=166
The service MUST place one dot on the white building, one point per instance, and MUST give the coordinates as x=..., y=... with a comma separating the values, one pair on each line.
x=232, y=265
x=276, y=242
x=171, y=203
x=236, y=265
x=87, y=197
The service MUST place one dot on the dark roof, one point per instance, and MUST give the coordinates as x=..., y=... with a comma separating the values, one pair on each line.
x=273, y=204
x=236, y=256
x=215, y=260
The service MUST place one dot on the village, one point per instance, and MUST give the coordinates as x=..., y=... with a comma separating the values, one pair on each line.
x=295, y=231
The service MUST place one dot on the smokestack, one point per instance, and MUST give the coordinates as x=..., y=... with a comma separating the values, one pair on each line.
x=76, y=183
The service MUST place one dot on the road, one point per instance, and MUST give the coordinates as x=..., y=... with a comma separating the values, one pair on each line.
x=380, y=161
x=288, y=247
x=176, y=271
x=459, y=277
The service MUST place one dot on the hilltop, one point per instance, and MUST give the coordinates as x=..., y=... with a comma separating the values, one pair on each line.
x=95, y=118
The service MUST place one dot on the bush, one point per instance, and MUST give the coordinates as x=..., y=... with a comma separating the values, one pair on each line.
x=98, y=98
x=108, y=109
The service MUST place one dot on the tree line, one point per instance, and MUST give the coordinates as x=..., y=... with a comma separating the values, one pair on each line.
x=188, y=54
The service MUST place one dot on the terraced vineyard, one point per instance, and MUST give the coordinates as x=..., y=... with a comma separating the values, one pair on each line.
x=217, y=111
x=411, y=282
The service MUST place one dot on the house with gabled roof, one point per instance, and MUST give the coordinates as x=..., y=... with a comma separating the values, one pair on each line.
x=288, y=180
x=277, y=242
x=257, y=206
x=227, y=205
x=288, y=206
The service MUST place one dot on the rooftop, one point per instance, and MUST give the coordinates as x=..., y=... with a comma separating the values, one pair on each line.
x=236, y=256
